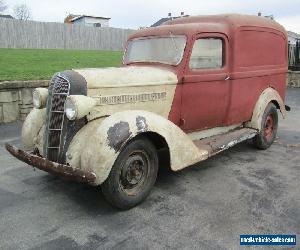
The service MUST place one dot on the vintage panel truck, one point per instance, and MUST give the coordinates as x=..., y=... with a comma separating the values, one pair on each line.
x=186, y=91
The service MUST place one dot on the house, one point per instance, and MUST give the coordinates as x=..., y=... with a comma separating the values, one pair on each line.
x=70, y=17
x=170, y=17
x=293, y=37
x=6, y=16
x=92, y=21
x=294, y=50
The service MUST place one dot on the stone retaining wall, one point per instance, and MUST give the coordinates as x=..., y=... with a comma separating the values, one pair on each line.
x=16, y=99
x=293, y=79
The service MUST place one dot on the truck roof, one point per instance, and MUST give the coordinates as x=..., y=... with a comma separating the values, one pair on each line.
x=225, y=23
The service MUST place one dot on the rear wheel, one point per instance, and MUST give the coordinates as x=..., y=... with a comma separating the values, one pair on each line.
x=269, y=125
x=132, y=175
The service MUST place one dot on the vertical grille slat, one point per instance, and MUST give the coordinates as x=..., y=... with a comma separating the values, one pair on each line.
x=56, y=116
x=58, y=102
x=56, y=120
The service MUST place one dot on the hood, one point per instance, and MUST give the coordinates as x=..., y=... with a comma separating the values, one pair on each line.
x=130, y=88
x=126, y=76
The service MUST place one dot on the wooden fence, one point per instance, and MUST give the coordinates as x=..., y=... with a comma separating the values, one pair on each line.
x=41, y=35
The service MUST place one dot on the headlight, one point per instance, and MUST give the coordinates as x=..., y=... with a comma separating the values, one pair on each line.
x=78, y=106
x=70, y=109
x=39, y=98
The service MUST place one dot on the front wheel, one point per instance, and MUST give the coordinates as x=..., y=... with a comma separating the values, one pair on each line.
x=268, y=131
x=132, y=175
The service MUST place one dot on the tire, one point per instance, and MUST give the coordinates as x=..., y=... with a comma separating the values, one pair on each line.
x=132, y=175
x=268, y=131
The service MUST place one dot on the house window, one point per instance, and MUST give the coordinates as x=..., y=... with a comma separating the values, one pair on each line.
x=207, y=53
x=97, y=25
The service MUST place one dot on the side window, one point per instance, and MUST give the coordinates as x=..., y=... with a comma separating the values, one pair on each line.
x=207, y=53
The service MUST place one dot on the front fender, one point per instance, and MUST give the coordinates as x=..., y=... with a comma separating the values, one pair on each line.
x=97, y=146
x=33, y=130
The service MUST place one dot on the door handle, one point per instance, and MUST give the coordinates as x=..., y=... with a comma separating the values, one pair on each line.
x=227, y=78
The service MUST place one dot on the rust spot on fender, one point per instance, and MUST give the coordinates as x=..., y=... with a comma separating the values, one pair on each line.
x=118, y=134
x=141, y=124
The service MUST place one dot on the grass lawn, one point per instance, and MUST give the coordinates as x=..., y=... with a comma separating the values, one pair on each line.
x=40, y=64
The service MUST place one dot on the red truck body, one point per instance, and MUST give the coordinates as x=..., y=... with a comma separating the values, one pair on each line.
x=254, y=58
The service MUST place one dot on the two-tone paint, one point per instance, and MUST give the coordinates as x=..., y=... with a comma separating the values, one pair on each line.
x=173, y=104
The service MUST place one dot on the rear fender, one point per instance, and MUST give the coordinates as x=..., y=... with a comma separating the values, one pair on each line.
x=98, y=144
x=267, y=96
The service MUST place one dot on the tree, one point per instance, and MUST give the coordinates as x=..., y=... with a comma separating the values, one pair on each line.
x=3, y=6
x=22, y=12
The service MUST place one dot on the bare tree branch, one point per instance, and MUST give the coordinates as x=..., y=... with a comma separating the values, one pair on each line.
x=22, y=12
x=3, y=6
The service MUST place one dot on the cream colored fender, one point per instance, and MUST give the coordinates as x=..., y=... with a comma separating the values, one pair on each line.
x=267, y=96
x=96, y=146
x=33, y=130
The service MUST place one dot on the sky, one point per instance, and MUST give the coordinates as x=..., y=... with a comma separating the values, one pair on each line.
x=143, y=13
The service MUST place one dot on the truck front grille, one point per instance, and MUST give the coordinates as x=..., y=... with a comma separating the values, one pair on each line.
x=59, y=90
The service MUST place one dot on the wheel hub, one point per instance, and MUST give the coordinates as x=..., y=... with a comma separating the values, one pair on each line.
x=269, y=127
x=134, y=171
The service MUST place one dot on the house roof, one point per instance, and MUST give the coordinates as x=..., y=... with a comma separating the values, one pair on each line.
x=82, y=16
x=6, y=16
x=293, y=34
x=165, y=19
x=69, y=17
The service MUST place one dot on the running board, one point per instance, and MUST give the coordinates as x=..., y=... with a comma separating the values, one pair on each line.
x=218, y=143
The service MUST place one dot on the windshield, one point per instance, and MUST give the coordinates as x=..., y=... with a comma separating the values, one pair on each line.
x=167, y=50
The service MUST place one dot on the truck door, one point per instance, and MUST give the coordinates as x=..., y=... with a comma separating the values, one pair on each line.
x=206, y=83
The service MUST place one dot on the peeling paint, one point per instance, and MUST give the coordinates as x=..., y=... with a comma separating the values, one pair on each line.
x=141, y=124
x=118, y=134
x=97, y=145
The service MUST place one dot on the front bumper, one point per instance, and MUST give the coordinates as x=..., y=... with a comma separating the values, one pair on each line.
x=62, y=170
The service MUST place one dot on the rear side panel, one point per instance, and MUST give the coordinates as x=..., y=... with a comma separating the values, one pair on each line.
x=257, y=59
x=260, y=61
